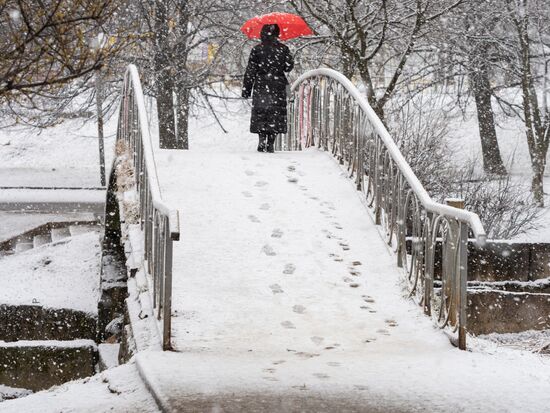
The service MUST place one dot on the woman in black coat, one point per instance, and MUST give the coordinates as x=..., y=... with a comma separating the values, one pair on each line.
x=265, y=74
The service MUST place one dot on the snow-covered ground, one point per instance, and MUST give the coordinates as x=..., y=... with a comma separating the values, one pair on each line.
x=16, y=223
x=66, y=154
x=118, y=390
x=63, y=275
x=282, y=284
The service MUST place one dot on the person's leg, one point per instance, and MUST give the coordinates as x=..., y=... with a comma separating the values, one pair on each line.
x=262, y=142
x=270, y=143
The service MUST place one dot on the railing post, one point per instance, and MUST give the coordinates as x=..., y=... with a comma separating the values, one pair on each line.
x=167, y=307
x=454, y=267
x=463, y=286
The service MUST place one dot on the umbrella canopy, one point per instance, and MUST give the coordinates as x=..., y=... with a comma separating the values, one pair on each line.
x=290, y=24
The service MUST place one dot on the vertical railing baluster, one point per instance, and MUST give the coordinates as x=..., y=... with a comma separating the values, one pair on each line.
x=326, y=112
x=463, y=286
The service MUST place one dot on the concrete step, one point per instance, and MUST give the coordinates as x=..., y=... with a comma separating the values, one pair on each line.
x=108, y=355
x=501, y=311
x=81, y=229
x=42, y=239
x=23, y=246
x=34, y=322
x=59, y=234
x=40, y=365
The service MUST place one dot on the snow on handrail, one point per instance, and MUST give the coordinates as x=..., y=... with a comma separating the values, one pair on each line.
x=150, y=164
x=429, y=204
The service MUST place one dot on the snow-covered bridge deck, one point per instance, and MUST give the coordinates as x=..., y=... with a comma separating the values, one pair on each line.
x=286, y=298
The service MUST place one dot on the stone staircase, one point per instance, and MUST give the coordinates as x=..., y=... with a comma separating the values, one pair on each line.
x=40, y=346
x=45, y=234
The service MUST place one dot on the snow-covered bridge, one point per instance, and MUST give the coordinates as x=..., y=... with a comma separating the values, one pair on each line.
x=291, y=282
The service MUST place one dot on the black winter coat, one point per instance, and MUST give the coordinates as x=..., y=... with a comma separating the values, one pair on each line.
x=265, y=74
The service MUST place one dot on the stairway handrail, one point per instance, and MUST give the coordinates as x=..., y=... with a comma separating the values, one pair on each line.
x=463, y=215
x=430, y=238
x=159, y=222
x=150, y=163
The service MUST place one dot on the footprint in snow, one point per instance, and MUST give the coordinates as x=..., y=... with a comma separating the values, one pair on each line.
x=254, y=219
x=277, y=233
x=383, y=331
x=247, y=194
x=289, y=269
x=288, y=324
x=333, y=364
x=291, y=168
x=265, y=207
x=293, y=180
x=268, y=250
x=322, y=376
x=391, y=322
x=260, y=184
x=300, y=309
x=317, y=340
x=249, y=172
x=305, y=355
x=269, y=378
x=276, y=289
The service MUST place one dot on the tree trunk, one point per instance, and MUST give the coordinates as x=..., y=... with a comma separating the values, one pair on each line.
x=492, y=159
x=182, y=117
x=537, y=183
x=164, y=79
x=165, y=109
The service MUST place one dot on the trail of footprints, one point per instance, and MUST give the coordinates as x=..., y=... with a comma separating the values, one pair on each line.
x=290, y=268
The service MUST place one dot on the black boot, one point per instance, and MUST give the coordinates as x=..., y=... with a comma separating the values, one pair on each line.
x=270, y=143
x=262, y=143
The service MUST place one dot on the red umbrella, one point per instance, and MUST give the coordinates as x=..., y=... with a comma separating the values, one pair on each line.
x=291, y=25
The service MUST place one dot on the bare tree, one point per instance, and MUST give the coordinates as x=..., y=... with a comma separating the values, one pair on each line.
x=481, y=49
x=187, y=40
x=373, y=36
x=530, y=21
x=47, y=44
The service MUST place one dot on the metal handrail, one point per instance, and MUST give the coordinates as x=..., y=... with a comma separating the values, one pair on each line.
x=430, y=239
x=159, y=222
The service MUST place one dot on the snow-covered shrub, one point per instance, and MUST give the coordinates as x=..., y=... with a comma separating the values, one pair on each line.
x=420, y=128
x=504, y=206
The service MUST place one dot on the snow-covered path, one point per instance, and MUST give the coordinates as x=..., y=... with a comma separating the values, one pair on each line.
x=284, y=292
x=280, y=249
